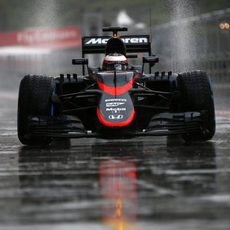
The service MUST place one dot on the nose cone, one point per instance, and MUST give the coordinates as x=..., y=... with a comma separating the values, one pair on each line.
x=115, y=108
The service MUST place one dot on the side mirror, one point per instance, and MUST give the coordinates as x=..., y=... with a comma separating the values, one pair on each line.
x=80, y=61
x=151, y=60
x=131, y=56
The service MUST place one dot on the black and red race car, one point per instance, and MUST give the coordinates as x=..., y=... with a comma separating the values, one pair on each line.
x=116, y=100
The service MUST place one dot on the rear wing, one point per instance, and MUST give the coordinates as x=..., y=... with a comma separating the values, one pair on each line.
x=133, y=43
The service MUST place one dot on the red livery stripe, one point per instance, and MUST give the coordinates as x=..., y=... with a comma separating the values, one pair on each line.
x=116, y=90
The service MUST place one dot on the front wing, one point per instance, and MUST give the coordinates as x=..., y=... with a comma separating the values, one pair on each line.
x=162, y=124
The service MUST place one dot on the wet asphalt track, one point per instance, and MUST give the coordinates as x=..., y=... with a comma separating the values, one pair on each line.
x=143, y=183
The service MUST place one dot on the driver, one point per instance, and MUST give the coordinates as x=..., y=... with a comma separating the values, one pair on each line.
x=115, y=62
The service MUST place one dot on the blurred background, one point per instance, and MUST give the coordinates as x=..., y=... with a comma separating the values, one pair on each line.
x=42, y=36
x=149, y=181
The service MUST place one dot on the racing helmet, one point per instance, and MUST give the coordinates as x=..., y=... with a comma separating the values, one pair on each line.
x=115, y=62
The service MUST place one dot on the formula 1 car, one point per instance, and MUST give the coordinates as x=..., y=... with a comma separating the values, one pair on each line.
x=116, y=100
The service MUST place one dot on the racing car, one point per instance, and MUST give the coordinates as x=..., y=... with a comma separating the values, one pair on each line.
x=117, y=99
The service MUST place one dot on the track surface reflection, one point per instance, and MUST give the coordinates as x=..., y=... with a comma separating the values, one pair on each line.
x=141, y=183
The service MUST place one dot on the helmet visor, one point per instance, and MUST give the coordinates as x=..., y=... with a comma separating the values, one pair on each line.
x=116, y=66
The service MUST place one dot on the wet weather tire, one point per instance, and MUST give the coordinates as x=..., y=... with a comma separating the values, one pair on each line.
x=34, y=99
x=197, y=95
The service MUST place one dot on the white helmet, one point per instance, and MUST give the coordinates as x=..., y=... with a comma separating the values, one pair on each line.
x=115, y=62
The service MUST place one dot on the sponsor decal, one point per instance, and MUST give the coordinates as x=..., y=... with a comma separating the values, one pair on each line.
x=69, y=36
x=134, y=40
x=115, y=110
x=34, y=37
x=126, y=40
x=116, y=100
x=114, y=104
x=96, y=41
x=116, y=117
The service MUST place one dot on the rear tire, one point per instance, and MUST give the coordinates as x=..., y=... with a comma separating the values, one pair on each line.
x=197, y=95
x=34, y=99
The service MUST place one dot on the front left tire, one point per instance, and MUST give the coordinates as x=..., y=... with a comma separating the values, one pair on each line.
x=34, y=99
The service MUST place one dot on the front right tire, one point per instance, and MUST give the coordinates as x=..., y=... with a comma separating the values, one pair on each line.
x=197, y=95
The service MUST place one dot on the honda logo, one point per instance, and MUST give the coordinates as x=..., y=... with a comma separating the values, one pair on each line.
x=116, y=117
